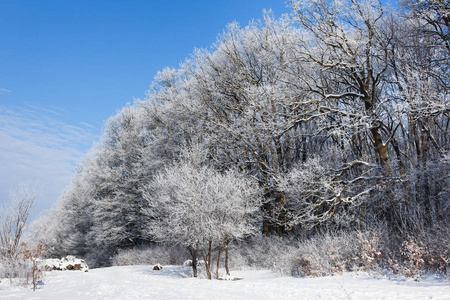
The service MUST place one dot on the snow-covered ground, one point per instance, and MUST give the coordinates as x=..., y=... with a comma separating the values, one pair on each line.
x=172, y=282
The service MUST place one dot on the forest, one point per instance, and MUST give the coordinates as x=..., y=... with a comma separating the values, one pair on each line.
x=317, y=142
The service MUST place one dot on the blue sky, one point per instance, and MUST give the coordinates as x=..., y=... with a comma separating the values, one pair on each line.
x=66, y=66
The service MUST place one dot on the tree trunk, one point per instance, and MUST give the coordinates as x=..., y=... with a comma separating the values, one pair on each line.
x=206, y=253
x=194, y=261
x=399, y=156
x=425, y=179
x=218, y=263
x=381, y=150
x=226, y=258
x=34, y=274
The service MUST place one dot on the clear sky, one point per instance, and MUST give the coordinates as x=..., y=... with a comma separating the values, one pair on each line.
x=66, y=66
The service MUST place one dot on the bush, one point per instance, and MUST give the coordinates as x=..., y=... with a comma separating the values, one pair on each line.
x=427, y=251
x=262, y=252
x=151, y=255
x=31, y=257
x=26, y=267
x=324, y=254
x=318, y=256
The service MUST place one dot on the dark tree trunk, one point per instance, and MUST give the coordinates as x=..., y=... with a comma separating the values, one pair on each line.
x=381, y=150
x=194, y=261
x=206, y=253
x=226, y=258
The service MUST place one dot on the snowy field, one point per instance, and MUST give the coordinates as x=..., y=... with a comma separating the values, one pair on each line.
x=141, y=282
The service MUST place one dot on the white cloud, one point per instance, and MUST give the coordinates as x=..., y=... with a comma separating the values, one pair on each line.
x=5, y=91
x=38, y=146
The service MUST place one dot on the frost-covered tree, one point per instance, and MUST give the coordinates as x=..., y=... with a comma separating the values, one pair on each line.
x=435, y=15
x=339, y=111
x=246, y=98
x=196, y=206
x=320, y=193
x=12, y=227
x=121, y=165
x=66, y=228
x=421, y=68
x=102, y=210
x=348, y=43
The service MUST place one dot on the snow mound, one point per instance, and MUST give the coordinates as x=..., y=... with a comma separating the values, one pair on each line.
x=229, y=277
x=66, y=263
x=188, y=263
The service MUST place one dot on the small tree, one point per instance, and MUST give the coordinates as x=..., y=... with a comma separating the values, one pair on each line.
x=12, y=225
x=33, y=255
x=201, y=208
x=236, y=205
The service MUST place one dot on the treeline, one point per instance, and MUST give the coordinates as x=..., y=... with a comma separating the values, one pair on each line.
x=338, y=113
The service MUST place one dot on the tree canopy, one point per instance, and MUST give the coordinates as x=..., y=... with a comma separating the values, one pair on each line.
x=338, y=114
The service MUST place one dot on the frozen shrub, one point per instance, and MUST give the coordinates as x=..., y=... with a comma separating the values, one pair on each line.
x=262, y=252
x=27, y=266
x=303, y=266
x=411, y=259
x=438, y=260
x=317, y=256
x=428, y=251
x=437, y=243
x=32, y=257
x=414, y=254
x=154, y=254
x=367, y=254
x=334, y=253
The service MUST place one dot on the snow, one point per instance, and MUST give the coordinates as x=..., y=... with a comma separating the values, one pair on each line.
x=66, y=263
x=173, y=282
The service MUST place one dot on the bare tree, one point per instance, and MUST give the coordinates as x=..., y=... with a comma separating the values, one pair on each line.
x=321, y=193
x=436, y=17
x=347, y=42
x=12, y=225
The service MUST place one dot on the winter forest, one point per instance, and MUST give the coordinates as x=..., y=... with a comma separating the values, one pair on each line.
x=313, y=143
